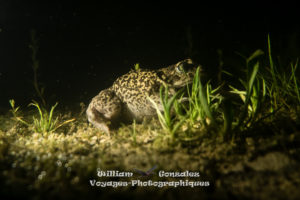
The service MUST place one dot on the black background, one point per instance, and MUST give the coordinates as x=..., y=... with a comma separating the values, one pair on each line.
x=85, y=45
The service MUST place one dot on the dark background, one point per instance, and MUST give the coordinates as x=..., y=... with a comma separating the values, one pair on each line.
x=83, y=47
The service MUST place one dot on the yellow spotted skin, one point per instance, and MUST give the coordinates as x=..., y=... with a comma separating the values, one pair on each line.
x=127, y=98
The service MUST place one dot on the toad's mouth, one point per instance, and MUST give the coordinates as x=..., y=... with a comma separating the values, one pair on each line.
x=180, y=81
x=180, y=84
x=183, y=81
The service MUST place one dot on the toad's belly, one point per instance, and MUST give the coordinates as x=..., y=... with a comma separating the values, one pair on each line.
x=139, y=112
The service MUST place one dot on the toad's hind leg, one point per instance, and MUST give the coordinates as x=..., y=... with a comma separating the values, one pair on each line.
x=104, y=111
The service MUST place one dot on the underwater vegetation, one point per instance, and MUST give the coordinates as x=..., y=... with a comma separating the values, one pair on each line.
x=44, y=124
x=242, y=136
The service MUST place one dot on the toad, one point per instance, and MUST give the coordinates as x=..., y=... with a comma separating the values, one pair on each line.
x=128, y=97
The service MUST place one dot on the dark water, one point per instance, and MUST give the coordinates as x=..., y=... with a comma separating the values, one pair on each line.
x=85, y=46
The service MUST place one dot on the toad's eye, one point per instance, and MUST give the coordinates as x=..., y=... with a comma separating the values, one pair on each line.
x=180, y=68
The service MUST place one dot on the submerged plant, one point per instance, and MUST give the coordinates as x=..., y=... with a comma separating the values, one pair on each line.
x=137, y=67
x=14, y=110
x=203, y=101
x=295, y=81
x=45, y=123
x=281, y=86
x=35, y=66
x=165, y=117
x=253, y=94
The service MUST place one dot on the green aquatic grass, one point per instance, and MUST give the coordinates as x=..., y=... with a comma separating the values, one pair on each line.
x=282, y=85
x=199, y=100
x=137, y=67
x=45, y=123
x=262, y=93
x=199, y=107
x=14, y=110
x=295, y=81
x=253, y=92
x=252, y=95
x=274, y=88
x=204, y=103
x=165, y=116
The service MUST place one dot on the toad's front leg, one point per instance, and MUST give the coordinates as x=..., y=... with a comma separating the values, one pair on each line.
x=104, y=111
